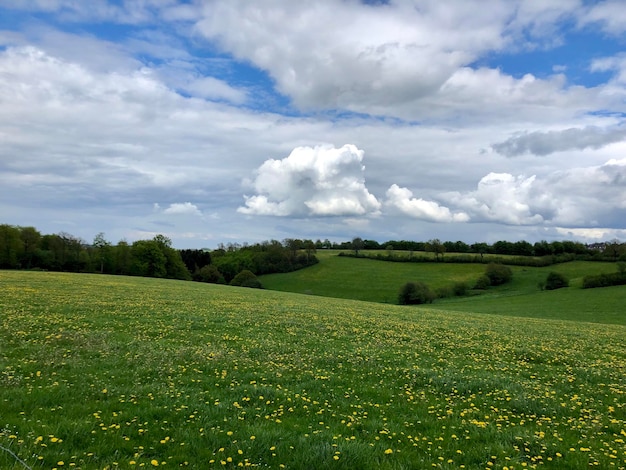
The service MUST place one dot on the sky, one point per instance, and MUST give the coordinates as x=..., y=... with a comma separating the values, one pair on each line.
x=238, y=121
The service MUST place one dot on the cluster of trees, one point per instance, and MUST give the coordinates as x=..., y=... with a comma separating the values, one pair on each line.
x=27, y=248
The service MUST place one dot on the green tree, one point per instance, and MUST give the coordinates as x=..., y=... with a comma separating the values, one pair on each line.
x=209, y=273
x=122, y=255
x=148, y=259
x=10, y=246
x=435, y=246
x=102, y=250
x=31, y=239
x=357, y=245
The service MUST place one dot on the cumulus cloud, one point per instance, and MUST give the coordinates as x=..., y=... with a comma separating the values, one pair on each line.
x=502, y=197
x=184, y=208
x=403, y=200
x=313, y=181
x=545, y=143
x=353, y=53
x=395, y=59
x=579, y=197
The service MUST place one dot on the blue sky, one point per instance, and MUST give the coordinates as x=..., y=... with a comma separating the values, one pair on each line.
x=233, y=121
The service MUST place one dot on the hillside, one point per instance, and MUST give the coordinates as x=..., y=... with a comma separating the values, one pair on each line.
x=380, y=281
x=117, y=372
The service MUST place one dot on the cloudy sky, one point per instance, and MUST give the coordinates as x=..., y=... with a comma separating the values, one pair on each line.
x=217, y=121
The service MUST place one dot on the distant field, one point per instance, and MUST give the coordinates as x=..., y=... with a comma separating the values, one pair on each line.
x=117, y=372
x=366, y=279
x=380, y=281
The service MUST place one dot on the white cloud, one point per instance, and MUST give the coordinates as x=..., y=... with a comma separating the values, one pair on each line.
x=501, y=197
x=313, y=181
x=584, y=197
x=214, y=89
x=184, y=208
x=610, y=14
x=403, y=200
x=407, y=60
x=351, y=55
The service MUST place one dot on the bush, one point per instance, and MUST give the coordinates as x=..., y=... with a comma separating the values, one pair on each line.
x=498, y=274
x=415, y=293
x=604, y=280
x=482, y=283
x=556, y=281
x=444, y=292
x=246, y=278
x=460, y=288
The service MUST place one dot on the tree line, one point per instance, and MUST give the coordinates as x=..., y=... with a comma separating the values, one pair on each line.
x=27, y=248
x=550, y=252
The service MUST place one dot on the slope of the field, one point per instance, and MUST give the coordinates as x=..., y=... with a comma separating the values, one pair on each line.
x=116, y=372
x=380, y=281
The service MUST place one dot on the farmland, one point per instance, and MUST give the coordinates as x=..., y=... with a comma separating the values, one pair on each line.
x=380, y=281
x=118, y=372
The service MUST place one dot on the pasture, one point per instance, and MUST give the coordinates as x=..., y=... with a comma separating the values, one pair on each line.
x=380, y=281
x=117, y=372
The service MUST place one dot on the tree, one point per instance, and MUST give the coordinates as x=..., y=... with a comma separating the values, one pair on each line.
x=147, y=259
x=30, y=240
x=413, y=293
x=209, y=273
x=310, y=249
x=122, y=257
x=480, y=248
x=435, y=246
x=10, y=246
x=103, y=250
x=195, y=259
x=357, y=245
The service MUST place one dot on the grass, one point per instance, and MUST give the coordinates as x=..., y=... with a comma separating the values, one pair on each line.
x=114, y=372
x=380, y=281
x=366, y=279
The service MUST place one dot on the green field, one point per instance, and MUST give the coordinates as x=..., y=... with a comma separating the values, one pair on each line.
x=117, y=372
x=380, y=281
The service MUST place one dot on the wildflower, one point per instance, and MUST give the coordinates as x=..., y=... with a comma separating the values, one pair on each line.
x=389, y=451
x=154, y=462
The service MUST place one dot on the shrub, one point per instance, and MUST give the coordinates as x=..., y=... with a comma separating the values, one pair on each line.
x=604, y=280
x=460, y=288
x=246, y=278
x=482, y=283
x=415, y=293
x=498, y=274
x=444, y=292
x=556, y=281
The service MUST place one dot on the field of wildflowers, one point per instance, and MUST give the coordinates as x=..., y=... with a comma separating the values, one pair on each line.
x=115, y=372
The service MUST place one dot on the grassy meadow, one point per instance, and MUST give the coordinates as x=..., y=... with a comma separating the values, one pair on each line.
x=380, y=281
x=103, y=372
